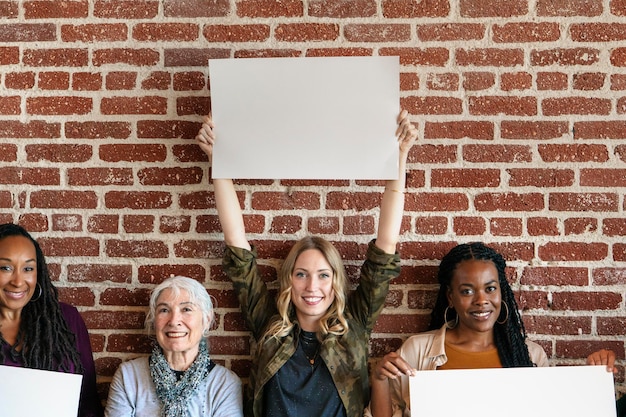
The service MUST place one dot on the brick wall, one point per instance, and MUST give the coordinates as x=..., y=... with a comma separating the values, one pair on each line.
x=520, y=106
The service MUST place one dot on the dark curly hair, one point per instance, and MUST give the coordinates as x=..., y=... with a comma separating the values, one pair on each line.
x=44, y=338
x=509, y=337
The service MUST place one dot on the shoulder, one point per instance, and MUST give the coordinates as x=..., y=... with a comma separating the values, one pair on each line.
x=136, y=367
x=73, y=318
x=222, y=373
x=537, y=354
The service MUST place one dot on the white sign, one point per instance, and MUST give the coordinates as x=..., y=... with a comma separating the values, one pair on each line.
x=28, y=392
x=305, y=118
x=572, y=391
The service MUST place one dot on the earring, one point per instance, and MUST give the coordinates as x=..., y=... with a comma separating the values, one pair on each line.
x=38, y=295
x=507, y=314
x=445, y=319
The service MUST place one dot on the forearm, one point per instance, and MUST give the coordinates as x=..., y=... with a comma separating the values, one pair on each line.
x=391, y=210
x=380, y=405
x=229, y=213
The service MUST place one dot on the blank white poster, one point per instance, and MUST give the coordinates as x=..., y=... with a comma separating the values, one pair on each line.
x=572, y=391
x=28, y=392
x=305, y=118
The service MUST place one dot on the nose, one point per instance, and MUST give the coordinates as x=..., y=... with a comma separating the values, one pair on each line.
x=480, y=298
x=312, y=283
x=17, y=278
x=174, y=318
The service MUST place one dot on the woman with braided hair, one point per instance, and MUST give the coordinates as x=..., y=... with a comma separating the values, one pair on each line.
x=475, y=324
x=36, y=330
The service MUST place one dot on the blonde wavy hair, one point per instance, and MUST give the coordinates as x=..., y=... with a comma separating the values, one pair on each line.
x=334, y=321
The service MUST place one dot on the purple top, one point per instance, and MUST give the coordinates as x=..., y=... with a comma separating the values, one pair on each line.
x=90, y=404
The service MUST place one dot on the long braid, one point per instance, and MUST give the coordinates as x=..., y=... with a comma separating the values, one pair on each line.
x=44, y=337
x=510, y=336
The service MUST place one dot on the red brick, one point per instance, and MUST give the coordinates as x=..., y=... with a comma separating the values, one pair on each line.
x=54, y=80
x=503, y=226
x=77, y=296
x=573, y=153
x=568, y=8
x=167, y=32
x=610, y=129
x=401, y=323
x=10, y=105
x=67, y=222
x=120, y=80
x=457, y=130
x=236, y=33
x=131, y=9
x=136, y=57
x=516, y=81
x=443, y=82
x=608, y=276
x=85, y=81
x=200, y=249
x=493, y=8
x=509, y=202
x=552, y=81
x=170, y=176
x=298, y=200
x=466, y=226
x=103, y=223
x=287, y=53
x=8, y=152
x=99, y=273
x=198, y=200
x=436, y=202
x=269, y=8
x=97, y=130
x=490, y=57
x=99, y=319
x=411, y=9
x=526, y=32
x=134, y=105
x=59, y=105
x=187, y=57
x=101, y=32
x=557, y=326
x=580, y=225
x=465, y=178
x=409, y=81
x=575, y=105
x=129, y=343
x=582, y=348
x=597, y=32
x=51, y=57
x=620, y=152
x=432, y=105
x=138, y=200
x=594, y=301
x=512, y=106
x=563, y=56
x=306, y=32
x=450, y=32
x=70, y=246
x=189, y=81
x=322, y=225
x=156, y=80
x=174, y=224
x=99, y=176
x=115, y=248
x=137, y=223
x=53, y=9
x=137, y=297
x=535, y=177
x=435, y=57
x=342, y=8
x=132, y=152
x=562, y=276
x=618, y=82
x=496, y=153
x=36, y=176
x=611, y=326
x=64, y=199
x=614, y=227
x=437, y=225
x=600, y=202
x=19, y=80
x=541, y=226
x=619, y=252
x=58, y=153
x=193, y=105
x=286, y=224
x=196, y=8
x=377, y=32
x=603, y=177
x=9, y=55
x=9, y=9
x=587, y=81
x=573, y=251
x=167, y=129
x=34, y=222
x=476, y=81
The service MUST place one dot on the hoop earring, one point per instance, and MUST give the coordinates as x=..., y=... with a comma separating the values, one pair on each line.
x=32, y=300
x=445, y=319
x=507, y=314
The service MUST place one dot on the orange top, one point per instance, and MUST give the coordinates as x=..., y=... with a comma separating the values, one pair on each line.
x=463, y=359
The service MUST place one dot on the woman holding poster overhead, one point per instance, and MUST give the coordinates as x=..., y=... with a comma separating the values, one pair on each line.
x=36, y=330
x=312, y=339
x=475, y=324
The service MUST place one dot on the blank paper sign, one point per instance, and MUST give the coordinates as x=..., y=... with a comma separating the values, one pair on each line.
x=31, y=392
x=305, y=118
x=572, y=391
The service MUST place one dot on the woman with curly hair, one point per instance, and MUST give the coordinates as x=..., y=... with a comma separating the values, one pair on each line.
x=475, y=324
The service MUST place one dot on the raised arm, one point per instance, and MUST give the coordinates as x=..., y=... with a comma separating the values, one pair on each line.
x=392, y=205
x=226, y=201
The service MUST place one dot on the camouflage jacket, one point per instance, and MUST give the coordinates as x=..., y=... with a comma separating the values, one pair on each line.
x=345, y=356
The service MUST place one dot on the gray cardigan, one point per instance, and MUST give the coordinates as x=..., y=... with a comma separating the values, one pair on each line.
x=132, y=393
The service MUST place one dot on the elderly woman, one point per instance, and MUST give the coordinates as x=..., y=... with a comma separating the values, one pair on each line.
x=59, y=343
x=179, y=378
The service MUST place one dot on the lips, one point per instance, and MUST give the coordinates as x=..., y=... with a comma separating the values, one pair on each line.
x=312, y=300
x=15, y=295
x=175, y=335
x=481, y=315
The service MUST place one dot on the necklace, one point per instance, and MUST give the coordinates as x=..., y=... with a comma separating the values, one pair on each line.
x=310, y=346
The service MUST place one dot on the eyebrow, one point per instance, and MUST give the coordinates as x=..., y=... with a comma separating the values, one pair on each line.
x=10, y=260
x=180, y=304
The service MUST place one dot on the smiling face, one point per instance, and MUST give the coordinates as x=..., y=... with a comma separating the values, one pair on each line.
x=312, y=290
x=475, y=294
x=18, y=272
x=178, y=325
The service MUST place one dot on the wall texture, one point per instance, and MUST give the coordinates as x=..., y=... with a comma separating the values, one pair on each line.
x=520, y=106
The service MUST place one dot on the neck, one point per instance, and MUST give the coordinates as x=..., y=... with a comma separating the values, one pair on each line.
x=181, y=361
x=470, y=340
